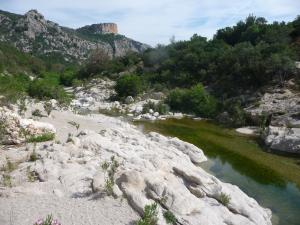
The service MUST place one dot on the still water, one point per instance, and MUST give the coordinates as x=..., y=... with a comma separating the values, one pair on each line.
x=271, y=179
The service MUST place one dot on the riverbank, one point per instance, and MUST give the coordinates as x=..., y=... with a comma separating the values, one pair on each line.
x=147, y=168
x=238, y=159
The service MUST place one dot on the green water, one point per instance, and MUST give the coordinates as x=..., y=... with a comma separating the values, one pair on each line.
x=271, y=179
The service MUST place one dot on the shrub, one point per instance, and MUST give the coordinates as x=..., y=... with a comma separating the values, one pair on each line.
x=169, y=217
x=9, y=167
x=41, y=138
x=47, y=87
x=6, y=180
x=150, y=215
x=96, y=64
x=33, y=156
x=48, y=107
x=13, y=88
x=32, y=175
x=67, y=77
x=160, y=107
x=37, y=113
x=129, y=85
x=224, y=198
x=195, y=100
x=111, y=169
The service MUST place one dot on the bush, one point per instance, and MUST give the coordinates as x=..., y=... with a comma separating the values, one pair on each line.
x=195, y=100
x=160, y=107
x=150, y=215
x=13, y=87
x=37, y=113
x=129, y=85
x=41, y=138
x=97, y=63
x=67, y=77
x=224, y=198
x=169, y=217
x=48, y=87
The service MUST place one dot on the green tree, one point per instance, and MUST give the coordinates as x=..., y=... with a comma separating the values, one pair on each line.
x=129, y=85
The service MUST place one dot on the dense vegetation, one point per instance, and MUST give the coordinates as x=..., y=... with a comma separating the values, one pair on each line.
x=15, y=83
x=200, y=76
x=238, y=61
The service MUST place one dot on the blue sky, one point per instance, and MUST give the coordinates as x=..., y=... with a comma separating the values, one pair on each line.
x=155, y=21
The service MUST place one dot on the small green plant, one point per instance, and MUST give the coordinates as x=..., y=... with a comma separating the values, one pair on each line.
x=6, y=180
x=109, y=184
x=105, y=165
x=110, y=168
x=73, y=123
x=150, y=215
x=41, y=138
x=37, y=113
x=169, y=217
x=33, y=156
x=48, y=107
x=9, y=167
x=31, y=175
x=22, y=106
x=224, y=198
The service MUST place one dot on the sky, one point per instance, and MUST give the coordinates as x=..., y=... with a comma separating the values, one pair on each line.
x=156, y=21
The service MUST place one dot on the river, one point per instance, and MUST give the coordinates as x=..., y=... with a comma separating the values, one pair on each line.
x=273, y=180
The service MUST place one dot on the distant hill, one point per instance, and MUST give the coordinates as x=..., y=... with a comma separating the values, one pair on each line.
x=32, y=33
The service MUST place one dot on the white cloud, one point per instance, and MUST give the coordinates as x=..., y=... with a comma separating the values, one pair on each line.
x=153, y=21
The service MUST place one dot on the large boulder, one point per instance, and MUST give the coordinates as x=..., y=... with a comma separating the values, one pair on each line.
x=283, y=139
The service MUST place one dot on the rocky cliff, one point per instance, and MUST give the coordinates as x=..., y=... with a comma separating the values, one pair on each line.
x=33, y=33
x=101, y=28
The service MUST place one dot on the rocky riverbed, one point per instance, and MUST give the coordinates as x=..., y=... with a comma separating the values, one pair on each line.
x=68, y=177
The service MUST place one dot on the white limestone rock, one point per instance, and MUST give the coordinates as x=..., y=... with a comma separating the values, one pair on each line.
x=283, y=139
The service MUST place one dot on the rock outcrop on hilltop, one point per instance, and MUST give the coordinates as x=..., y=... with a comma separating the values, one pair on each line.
x=147, y=168
x=101, y=28
x=33, y=33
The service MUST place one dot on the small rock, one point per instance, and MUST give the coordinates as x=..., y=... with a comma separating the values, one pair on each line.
x=129, y=100
x=156, y=114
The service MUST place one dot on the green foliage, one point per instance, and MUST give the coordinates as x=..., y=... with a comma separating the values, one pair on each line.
x=169, y=217
x=48, y=221
x=14, y=61
x=6, y=180
x=41, y=138
x=9, y=167
x=224, y=198
x=37, y=113
x=33, y=156
x=13, y=88
x=150, y=215
x=97, y=63
x=48, y=107
x=48, y=87
x=129, y=85
x=32, y=175
x=195, y=100
x=68, y=76
x=160, y=107
x=110, y=168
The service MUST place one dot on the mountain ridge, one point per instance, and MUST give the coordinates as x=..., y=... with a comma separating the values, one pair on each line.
x=32, y=33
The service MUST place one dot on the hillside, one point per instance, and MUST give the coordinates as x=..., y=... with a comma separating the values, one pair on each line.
x=32, y=33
